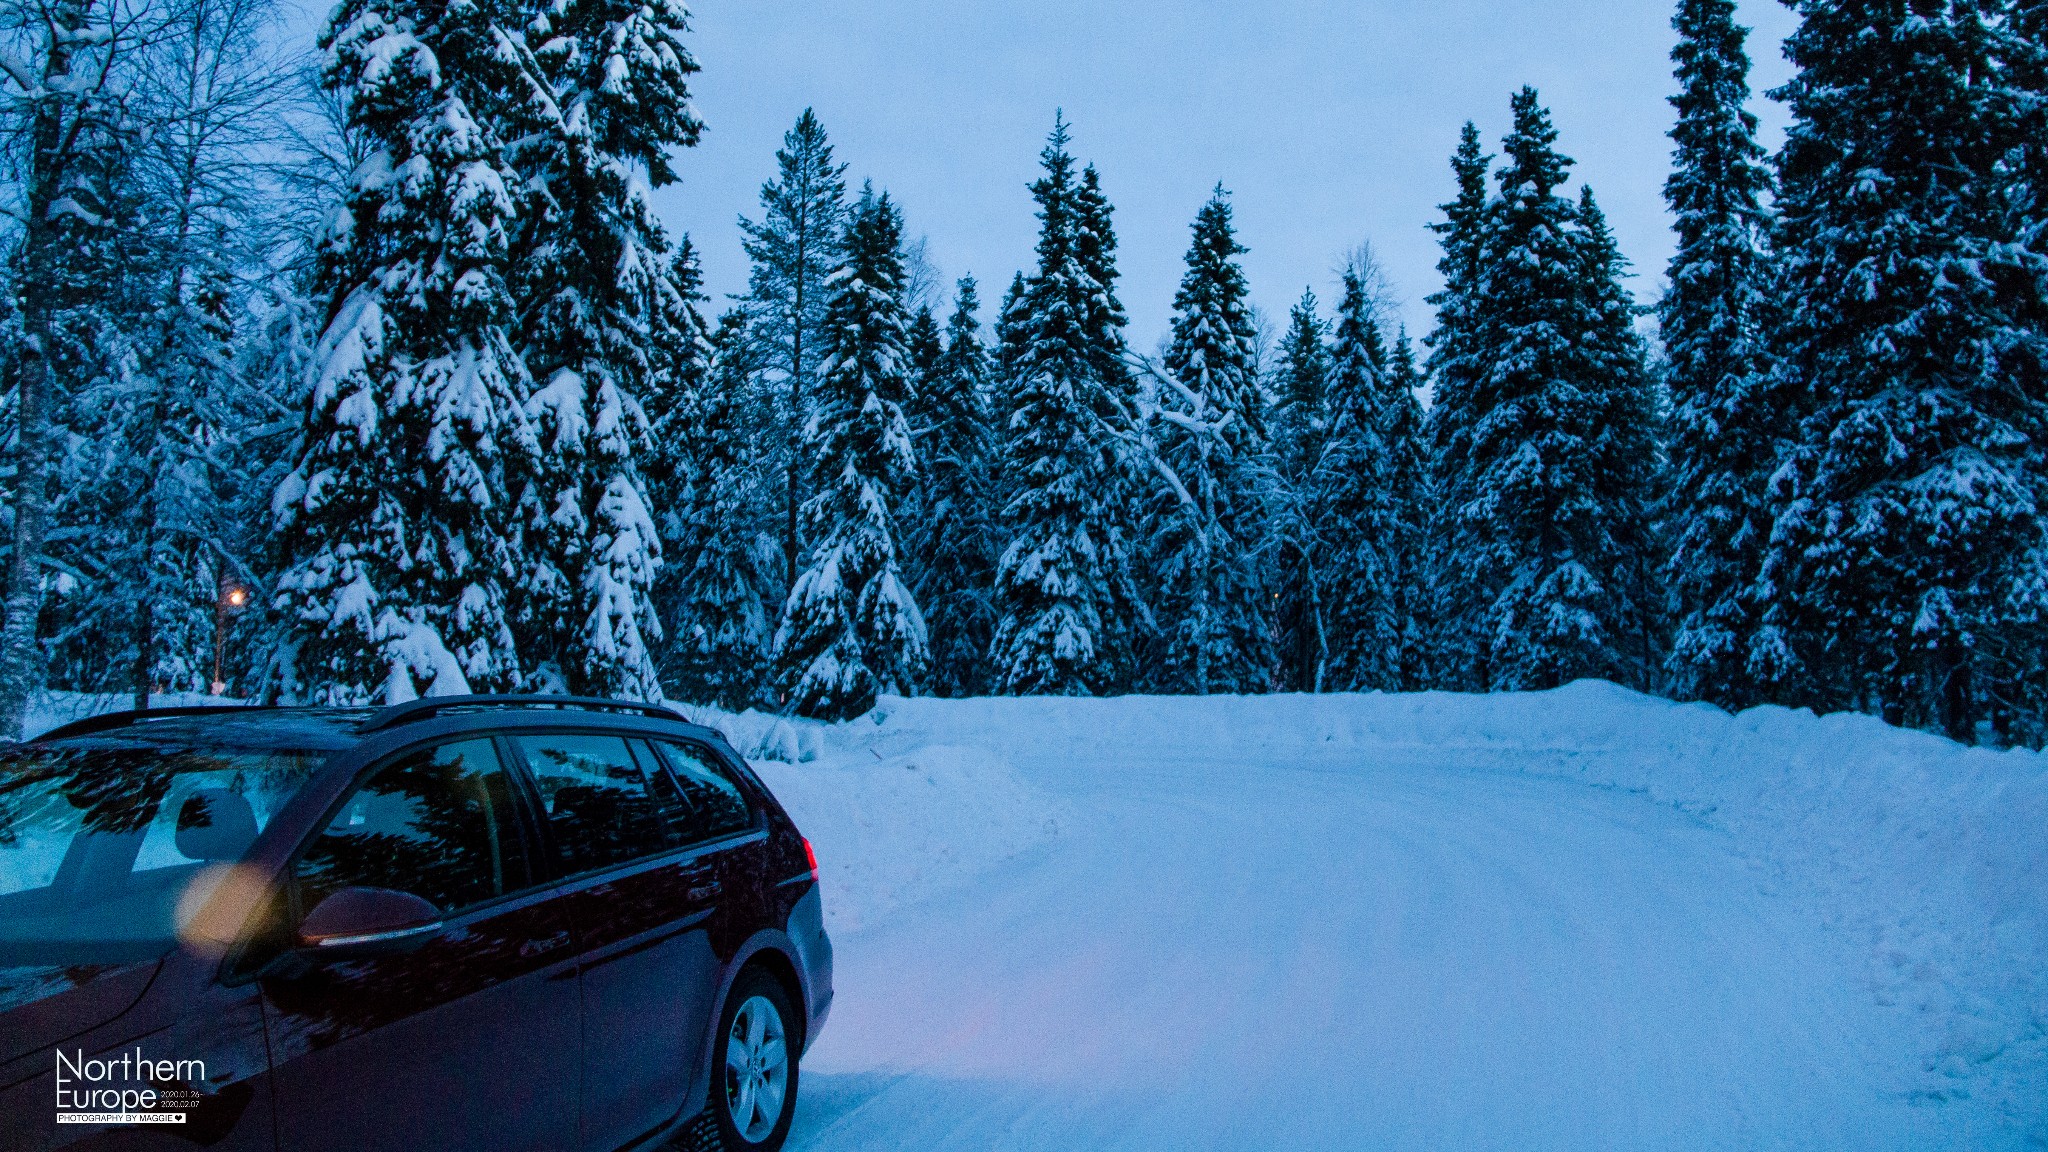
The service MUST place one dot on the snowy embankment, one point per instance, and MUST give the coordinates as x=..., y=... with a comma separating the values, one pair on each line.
x=1926, y=862
x=891, y=823
x=47, y=710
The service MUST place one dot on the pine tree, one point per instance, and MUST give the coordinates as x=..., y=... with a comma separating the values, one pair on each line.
x=1369, y=507
x=923, y=343
x=1908, y=530
x=1455, y=363
x=1455, y=354
x=593, y=281
x=850, y=628
x=1542, y=519
x=1213, y=444
x=1063, y=623
x=713, y=587
x=1011, y=326
x=795, y=248
x=398, y=534
x=2019, y=692
x=1728, y=419
x=1409, y=436
x=951, y=542
x=1300, y=431
x=1625, y=453
x=1128, y=616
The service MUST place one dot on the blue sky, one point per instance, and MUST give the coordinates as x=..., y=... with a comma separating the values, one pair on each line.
x=1331, y=123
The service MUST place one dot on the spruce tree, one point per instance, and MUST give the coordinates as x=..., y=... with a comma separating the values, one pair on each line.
x=1367, y=495
x=2019, y=693
x=951, y=543
x=1063, y=616
x=1454, y=361
x=924, y=343
x=593, y=282
x=1007, y=352
x=714, y=583
x=1213, y=442
x=1543, y=522
x=1454, y=367
x=1408, y=440
x=399, y=539
x=795, y=247
x=1728, y=418
x=1300, y=430
x=1626, y=457
x=1905, y=550
x=1125, y=624
x=850, y=628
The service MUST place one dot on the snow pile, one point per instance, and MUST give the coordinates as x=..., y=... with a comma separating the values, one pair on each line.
x=893, y=819
x=47, y=710
x=1929, y=859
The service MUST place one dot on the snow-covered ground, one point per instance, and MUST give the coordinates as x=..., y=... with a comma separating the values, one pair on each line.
x=1576, y=919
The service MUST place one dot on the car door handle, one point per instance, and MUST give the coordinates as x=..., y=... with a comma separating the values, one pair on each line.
x=544, y=945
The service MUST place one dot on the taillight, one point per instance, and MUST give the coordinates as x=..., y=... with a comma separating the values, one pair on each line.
x=812, y=857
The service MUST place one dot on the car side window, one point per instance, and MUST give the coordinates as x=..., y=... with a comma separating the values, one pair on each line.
x=714, y=805
x=438, y=823
x=604, y=806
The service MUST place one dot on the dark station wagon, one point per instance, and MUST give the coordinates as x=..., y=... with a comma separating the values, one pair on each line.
x=506, y=923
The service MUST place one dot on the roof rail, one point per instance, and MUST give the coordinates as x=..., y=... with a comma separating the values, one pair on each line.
x=427, y=706
x=108, y=721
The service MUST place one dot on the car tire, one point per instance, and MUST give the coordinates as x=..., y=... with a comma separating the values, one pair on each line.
x=754, y=1065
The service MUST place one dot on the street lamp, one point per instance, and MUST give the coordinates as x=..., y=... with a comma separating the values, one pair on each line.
x=232, y=598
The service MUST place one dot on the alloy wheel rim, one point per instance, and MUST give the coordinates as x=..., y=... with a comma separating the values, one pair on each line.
x=756, y=1069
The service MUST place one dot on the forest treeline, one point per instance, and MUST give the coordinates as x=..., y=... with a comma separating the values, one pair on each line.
x=378, y=376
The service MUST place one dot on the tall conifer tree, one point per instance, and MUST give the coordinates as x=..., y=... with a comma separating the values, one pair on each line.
x=1300, y=430
x=1728, y=419
x=1454, y=367
x=593, y=286
x=715, y=580
x=1367, y=491
x=1063, y=619
x=1904, y=552
x=952, y=543
x=850, y=628
x=2019, y=693
x=1213, y=442
x=795, y=247
x=399, y=538
x=1542, y=519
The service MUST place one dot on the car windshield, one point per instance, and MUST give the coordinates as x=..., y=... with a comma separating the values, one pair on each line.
x=99, y=840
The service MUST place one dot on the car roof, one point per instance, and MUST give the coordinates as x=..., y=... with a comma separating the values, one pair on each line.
x=336, y=729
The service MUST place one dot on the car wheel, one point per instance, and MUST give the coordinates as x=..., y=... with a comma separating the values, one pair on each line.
x=754, y=1066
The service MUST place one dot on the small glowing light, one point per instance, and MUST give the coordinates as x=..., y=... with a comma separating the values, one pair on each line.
x=237, y=597
x=215, y=905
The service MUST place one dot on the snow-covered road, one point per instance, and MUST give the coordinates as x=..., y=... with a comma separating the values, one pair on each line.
x=1365, y=947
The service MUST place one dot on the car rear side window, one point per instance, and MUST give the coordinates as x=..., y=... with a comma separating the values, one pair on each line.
x=713, y=804
x=604, y=806
x=438, y=823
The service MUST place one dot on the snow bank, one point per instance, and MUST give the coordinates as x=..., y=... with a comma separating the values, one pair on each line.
x=1929, y=858
x=47, y=710
x=891, y=824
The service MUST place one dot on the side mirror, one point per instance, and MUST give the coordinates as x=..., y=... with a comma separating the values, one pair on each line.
x=358, y=922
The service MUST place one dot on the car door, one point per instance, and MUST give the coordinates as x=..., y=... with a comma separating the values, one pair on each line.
x=639, y=899
x=469, y=1040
